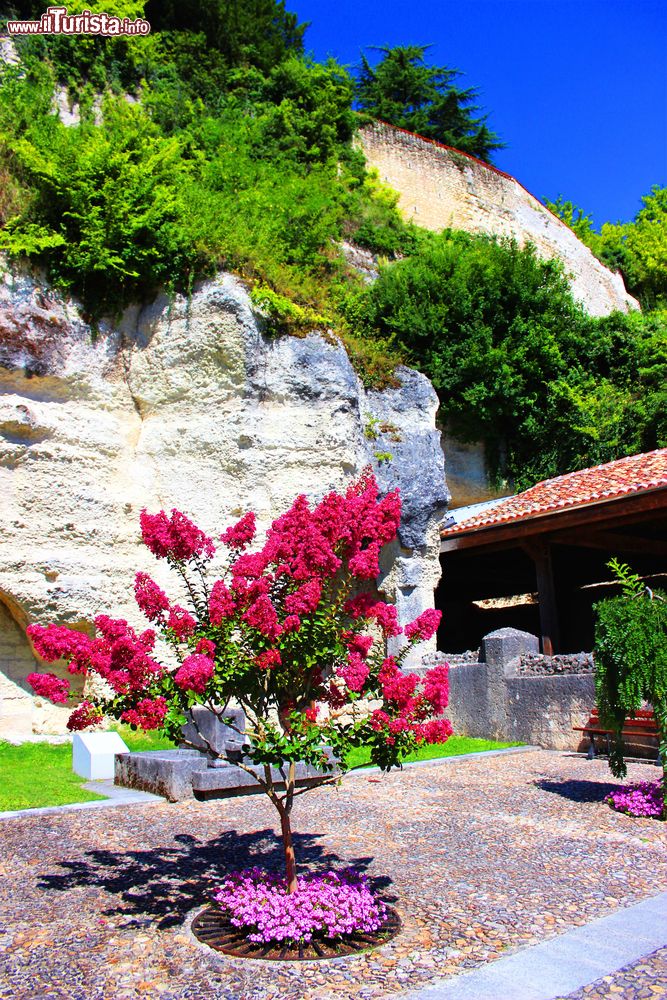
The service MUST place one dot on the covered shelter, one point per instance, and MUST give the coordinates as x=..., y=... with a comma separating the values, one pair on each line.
x=537, y=560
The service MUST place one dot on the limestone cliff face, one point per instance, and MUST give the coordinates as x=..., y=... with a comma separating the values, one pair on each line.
x=182, y=404
x=440, y=188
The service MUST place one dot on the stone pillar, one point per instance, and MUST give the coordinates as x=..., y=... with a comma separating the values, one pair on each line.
x=498, y=650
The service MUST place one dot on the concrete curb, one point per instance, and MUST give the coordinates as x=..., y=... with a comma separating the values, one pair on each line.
x=117, y=796
x=564, y=964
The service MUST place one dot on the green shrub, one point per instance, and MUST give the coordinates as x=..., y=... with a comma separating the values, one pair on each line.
x=631, y=660
x=106, y=213
x=516, y=362
x=284, y=316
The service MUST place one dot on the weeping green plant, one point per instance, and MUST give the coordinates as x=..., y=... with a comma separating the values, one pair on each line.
x=631, y=662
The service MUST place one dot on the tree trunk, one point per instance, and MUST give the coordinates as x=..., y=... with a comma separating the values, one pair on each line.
x=284, y=807
x=288, y=847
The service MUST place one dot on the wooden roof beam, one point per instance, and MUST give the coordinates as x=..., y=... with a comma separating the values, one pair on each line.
x=611, y=541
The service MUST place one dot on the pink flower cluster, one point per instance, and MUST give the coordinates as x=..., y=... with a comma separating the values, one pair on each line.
x=357, y=643
x=645, y=798
x=262, y=615
x=221, y=603
x=118, y=654
x=49, y=686
x=194, y=673
x=84, y=715
x=312, y=544
x=436, y=688
x=268, y=660
x=151, y=599
x=386, y=615
x=355, y=672
x=148, y=713
x=206, y=647
x=329, y=906
x=175, y=537
x=407, y=709
x=425, y=626
x=181, y=622
x=305, y=599
x=241, y=533
x=56, y=642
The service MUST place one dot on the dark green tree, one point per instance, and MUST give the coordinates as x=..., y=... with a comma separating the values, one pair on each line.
x=404, y=90
x=631, y=662
x=257, y=33
x=302, y=109
x=516, y=362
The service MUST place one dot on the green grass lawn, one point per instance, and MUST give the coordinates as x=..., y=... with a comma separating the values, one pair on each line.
x=454, y=747
x=40, y=774
x=137, y=740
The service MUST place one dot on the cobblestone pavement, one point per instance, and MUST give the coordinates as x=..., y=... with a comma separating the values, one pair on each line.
x=643, y=980
x=481, y=857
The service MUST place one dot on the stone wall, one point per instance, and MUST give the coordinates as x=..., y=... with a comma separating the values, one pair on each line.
x=17, y=662
x=440, y=188
x=489, y=699
x=186, y=404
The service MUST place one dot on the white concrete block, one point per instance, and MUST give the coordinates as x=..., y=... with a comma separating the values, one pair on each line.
x=93, y=754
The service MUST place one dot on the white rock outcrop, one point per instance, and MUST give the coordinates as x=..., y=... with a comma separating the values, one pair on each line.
x=181, y=404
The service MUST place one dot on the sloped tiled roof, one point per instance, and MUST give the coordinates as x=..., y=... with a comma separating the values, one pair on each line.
x=625, y=477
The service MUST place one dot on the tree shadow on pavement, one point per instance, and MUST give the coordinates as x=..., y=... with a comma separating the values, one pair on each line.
x=164, y=883
x=577, y=790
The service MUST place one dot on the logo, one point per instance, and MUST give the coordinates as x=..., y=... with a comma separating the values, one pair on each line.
x=56, y=21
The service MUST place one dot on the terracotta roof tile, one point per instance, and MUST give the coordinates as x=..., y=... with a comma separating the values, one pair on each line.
x=626, y=476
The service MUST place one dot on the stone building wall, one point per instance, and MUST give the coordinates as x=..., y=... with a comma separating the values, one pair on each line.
x=441, y=188
x=17, y=662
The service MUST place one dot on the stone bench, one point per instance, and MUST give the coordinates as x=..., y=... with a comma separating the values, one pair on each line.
x=186, y=774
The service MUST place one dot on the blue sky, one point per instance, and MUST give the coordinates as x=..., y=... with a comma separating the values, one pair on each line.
x=576, y=88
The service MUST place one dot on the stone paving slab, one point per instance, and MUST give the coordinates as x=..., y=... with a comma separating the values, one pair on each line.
x=645, y=979
x=565, y=963
x=482, y=859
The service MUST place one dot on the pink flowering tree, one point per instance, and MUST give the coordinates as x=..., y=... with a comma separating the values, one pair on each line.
x=290, y=633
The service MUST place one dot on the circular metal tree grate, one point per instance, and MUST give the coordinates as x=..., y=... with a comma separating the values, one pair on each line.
x=212, y=928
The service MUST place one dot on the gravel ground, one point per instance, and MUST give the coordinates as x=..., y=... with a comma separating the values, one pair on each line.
x=644, y=980
x=480, y=857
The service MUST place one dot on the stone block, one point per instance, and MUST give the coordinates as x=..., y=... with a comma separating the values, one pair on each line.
x=220, y=736
x=162, y=772
x=218, y=782
x=93, y=754
x=499, y=648
x=182, y=774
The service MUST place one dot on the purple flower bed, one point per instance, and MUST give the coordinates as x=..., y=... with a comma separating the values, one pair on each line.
x=332, y=905
x=642, y=799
